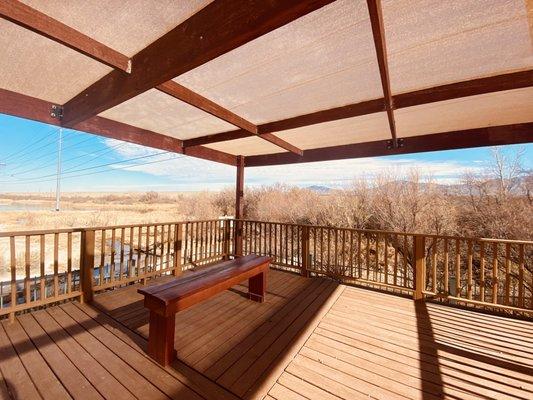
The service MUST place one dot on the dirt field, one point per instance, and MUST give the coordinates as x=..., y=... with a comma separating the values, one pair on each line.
x=21, y=212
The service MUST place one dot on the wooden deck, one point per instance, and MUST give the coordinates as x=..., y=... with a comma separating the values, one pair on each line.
x=311, y=339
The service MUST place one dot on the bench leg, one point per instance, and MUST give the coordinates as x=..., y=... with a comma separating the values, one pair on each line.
x=161, y=338
x=257, y=287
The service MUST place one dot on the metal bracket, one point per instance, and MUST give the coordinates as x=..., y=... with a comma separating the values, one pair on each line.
x=390, y=144
x=56, y=112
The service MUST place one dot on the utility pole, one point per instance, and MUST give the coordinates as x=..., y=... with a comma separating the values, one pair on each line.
x=58, y=183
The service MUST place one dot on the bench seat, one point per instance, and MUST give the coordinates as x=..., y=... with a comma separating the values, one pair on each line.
x=166, y=299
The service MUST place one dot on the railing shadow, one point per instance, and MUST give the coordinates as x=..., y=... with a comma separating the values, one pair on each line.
x=429, y=379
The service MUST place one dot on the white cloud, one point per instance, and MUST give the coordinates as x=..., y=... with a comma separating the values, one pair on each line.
x=195, y=174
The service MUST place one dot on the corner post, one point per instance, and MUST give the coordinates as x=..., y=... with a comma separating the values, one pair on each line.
x=178, y=230
x=87, y=265
x=239, y=205
x=305, y=251
x=420, y=266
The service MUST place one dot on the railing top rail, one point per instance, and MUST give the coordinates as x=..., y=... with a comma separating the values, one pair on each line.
x=97, y=228
x=373, y=231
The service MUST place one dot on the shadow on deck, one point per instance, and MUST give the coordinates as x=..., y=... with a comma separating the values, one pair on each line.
x=311, y=339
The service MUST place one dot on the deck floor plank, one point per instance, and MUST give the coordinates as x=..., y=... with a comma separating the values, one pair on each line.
x=17, y=380
x=168, y=384
x=127, y=376
x=72, y=379
x=311, y=339
x=44, y=379
x=108, y=386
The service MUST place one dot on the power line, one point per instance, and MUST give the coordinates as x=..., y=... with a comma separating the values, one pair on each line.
x=73, y=170
x=33, y=160
x=93, y=156
x=49, y=133
x=99, y=172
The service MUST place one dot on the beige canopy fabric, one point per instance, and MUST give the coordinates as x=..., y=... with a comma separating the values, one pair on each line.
x=326, y=58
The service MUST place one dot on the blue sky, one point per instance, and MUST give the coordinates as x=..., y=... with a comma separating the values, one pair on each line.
x=28, y=162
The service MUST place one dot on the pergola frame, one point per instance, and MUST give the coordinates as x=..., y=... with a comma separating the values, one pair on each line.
x=156, y=65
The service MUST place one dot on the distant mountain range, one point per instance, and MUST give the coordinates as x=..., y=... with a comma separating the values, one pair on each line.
x=459, y=189
x=320, y=189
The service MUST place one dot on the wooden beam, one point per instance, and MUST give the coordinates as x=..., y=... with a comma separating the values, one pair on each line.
x=186, y=95
x=378, y=31
x=29, y=18
x=218, y=28
x=473, y=87
x=27, y=107
x=515, y=80
x=333, y=114
x=269, y=137
x=480, y=137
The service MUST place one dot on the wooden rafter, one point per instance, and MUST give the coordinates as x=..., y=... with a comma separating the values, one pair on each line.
x=515, y=80
x=192, y=43
x=23, y=106
x=479, y=137
x=29, y=18
x=378, y=31
x=188, y=96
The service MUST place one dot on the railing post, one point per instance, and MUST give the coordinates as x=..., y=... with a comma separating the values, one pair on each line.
x=420, y=266
x=227, y=236
x=178, y=231
x=305, y=251
x=87, y=265
x=238, y=237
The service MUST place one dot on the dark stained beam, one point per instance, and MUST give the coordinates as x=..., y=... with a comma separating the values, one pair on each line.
x=218, y=28
x=378, y=31
x=333, y=114
x=29, y=18
x=497, y=83
x=27, y=107
x=515, y=80
x=269, y=137
x=480, y=137
x=188, y=96
x=217, y=137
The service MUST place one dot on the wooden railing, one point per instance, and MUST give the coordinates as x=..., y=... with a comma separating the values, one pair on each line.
x=43, y=267
x=481, y=273
x=55, y=265
x=49, y=266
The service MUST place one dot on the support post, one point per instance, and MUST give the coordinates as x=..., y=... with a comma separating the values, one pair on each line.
x=226, y=240
x=420, y=267
x=87, y=265
x=239, y=205
x=178, y=230
x=305, y=251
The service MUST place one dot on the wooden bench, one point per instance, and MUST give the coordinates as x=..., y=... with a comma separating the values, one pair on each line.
x=166, y=299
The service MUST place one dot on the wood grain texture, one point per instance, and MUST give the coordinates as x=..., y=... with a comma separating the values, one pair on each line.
x=478, y=137
x=192, y=43
x=42, y=24
x=473, y=87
